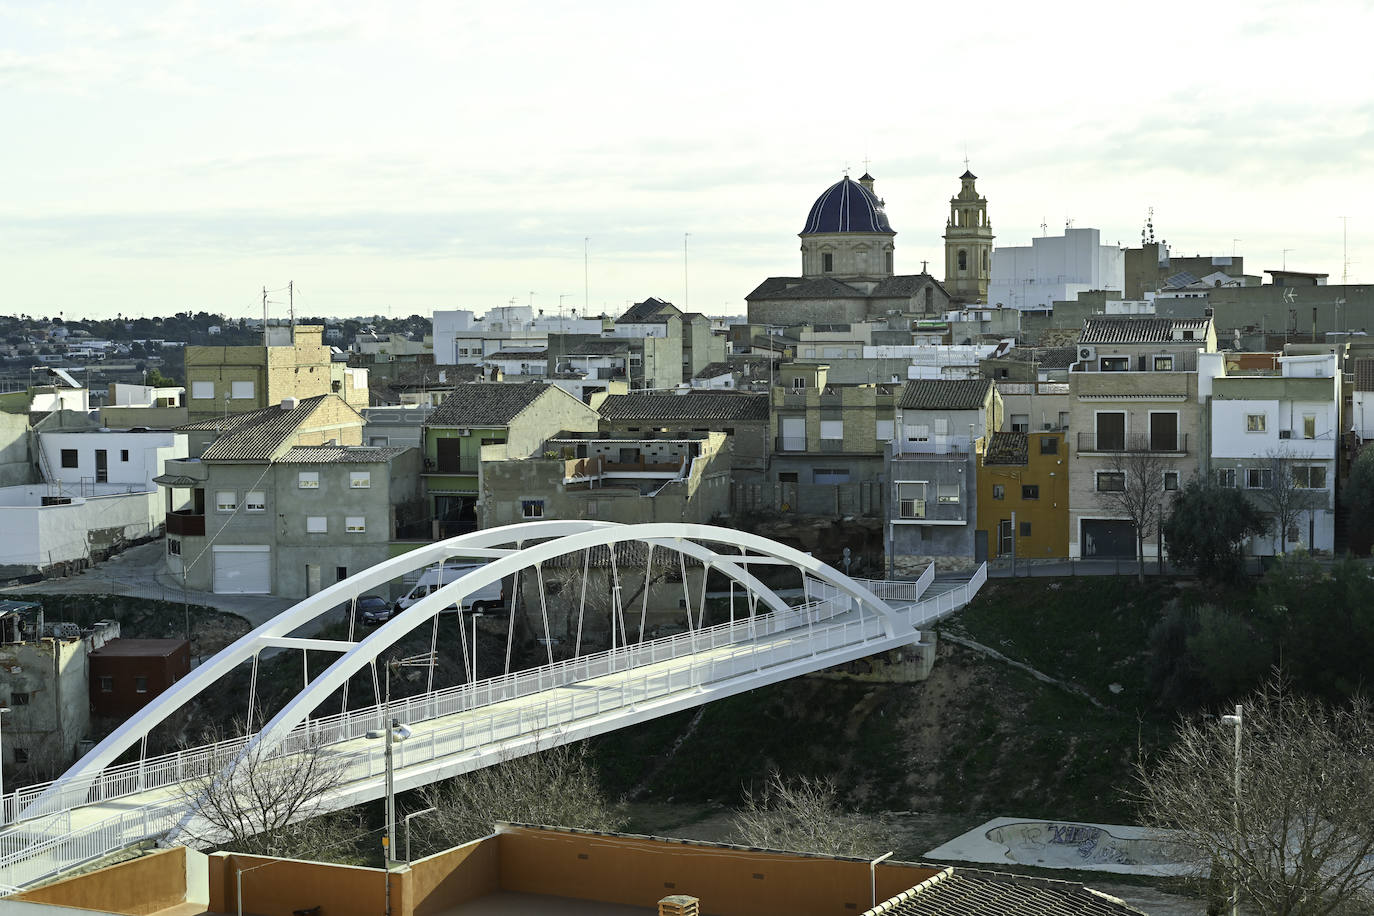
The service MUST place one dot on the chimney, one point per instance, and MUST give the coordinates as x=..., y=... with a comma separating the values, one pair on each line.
x=678, y=905
x=290, y=403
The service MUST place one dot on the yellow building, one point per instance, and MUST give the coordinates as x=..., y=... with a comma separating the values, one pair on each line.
x=1025, y=477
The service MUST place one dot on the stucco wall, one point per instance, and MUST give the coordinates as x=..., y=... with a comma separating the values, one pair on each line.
x=37, y=537
x=57, y=715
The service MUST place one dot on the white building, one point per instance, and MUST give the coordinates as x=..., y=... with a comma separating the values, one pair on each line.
x=1283, y=420
x=98, y=462
x=461, y=337
x=1054, y=269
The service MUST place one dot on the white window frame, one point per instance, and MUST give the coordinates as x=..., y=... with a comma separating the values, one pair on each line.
x=1262, y=472
x=308, y=480
x=948, y=494
x=532, y=508
x=1160, y=357
x=316, y=524
x=1256, y=422
x=910, y=492
x=1171, y=475
x=355, y=524
x=242, y=391
x=231, y=505
x=799, y=384
x=1226, y=477
x=885, y=430
x=202, y=391
x=832, y=429
x=1097, y=427
x=255, y=501
x=359, y=480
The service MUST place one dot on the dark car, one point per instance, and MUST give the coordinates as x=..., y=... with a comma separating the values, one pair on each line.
x=374, y=609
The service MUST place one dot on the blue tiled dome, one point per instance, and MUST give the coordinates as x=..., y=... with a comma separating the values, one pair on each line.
x=846, y=206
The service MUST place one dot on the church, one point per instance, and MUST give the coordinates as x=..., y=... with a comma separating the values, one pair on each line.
x=847, y=262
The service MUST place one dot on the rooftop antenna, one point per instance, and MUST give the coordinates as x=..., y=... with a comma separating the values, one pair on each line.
x=1345, y=257
x=586, y=245
x=1233, y=246
x=1147, y=233
x=1044, y=227
x=264, y=316
x=531, y=298
x=685, y=297
x=1285, y=256
x=291, y=297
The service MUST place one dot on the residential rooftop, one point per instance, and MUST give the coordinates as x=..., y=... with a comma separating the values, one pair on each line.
x=945, y=394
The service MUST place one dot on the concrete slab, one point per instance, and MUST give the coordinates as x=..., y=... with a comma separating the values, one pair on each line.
x=1116, y=848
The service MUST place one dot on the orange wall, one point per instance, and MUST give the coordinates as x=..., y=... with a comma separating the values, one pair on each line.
x=728, y=882
x=288, y=884
x=450, y=878
x=139, y=886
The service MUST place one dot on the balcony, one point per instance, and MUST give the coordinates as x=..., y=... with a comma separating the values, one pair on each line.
x=466, y=465
x=789, y=444
x=186, y=524
x=1116, y=444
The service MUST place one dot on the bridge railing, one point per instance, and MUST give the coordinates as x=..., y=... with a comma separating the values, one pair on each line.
x=890, y=590
x=366, y=759
x=175, y=767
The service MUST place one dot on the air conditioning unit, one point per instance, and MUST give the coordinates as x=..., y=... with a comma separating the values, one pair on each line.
x=465, y=432
x=1087, y=353
x=1285, y=434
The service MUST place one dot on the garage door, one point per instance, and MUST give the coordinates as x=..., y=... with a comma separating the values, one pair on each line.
x=243, y=570
x=1103, y=537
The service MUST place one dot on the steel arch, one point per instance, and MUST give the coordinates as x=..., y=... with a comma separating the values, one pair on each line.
x=556, y=538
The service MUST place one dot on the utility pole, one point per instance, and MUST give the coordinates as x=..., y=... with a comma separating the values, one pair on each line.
x=264, y=316
x=686, y=298
x=586, y=249
x=291, y=298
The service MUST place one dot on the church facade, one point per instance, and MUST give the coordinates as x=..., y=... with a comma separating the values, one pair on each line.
x=847, y=268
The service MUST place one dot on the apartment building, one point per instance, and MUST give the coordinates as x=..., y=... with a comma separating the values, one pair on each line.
x=1023, y=496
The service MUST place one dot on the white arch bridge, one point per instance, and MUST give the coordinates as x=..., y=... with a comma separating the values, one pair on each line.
x=606, y=577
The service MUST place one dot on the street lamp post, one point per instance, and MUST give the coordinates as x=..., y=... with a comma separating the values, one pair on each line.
x=474, y=615
x=392, y=731
x=430, y=810
x=1238, y=720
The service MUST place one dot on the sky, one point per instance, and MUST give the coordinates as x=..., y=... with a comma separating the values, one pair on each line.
x=401, y=158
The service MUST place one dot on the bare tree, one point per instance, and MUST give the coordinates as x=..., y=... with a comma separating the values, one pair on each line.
x=558, y=787
x=269, y=801
x=1290, y=823
x=1134, y=487
x=803, y=815
x=1287, y=490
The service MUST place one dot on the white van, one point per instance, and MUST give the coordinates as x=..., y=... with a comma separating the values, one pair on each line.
x=487, y=598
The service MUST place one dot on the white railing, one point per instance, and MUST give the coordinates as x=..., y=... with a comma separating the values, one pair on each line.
x=172, y=768
x=41, y=853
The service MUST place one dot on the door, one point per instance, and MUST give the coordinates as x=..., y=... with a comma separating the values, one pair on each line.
x=450, y=455
x=980, y=546
x=1005, y=547
x=1107, y=537
x=312, y=578
x=102, y=466
x=1163, y=432
x=242, y=570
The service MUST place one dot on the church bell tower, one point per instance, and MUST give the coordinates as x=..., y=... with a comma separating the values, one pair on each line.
x=968, y=243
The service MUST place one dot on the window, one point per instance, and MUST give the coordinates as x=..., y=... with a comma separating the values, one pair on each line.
x=949, y=493
x=1164, y=432
x=202, y=391
x=1226, y=477
x=1309, y=477
x=21, y=755
x=1258, y=478
x=830, y=475
x=1171, y=480
x=124, y=454
x=1004, y=537
x=1049, y=445
x=532, y=508
x=1187, y=335
x=140, y=684
x=359, y=480
x=1114, y=364
x=911, y=500
x=799, y=384
x=1309, y=426
x=1164, y=364
x=308, y=480
x=1111, y=431
x=827, y=262
x=787, y=477
x=379, y=441
x=19, y=699
x=1254, y=423
x=226, y=501
x=1020, y=423
x=69, y=458
x=1111, y=482
x=918, y=433
x=1030, y=491
x=832, y=429
x=173, y=547
x=1063, y=419
x=942, y=426
x=340, y=573
x=316, y=524
x=963, y=259
x=241, y=391
x=888, y=261
x=255, y=501
x=1025, y=529
x=885, y=432
x=355, y=524
x=999, y=491
x=106, y=683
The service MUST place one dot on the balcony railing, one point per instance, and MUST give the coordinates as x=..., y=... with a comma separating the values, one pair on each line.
x=790, y=444
x=1166, y=445
x=184, y=523
x=464, y=466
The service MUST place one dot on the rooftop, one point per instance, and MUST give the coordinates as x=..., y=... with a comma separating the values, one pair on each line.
x=846, y=206
x=945, y=394
x=651, y=311
x=1007, y=449
x=485, y=404
x=140, y=648
x=696, y=405
x=340, y=454
x=258, y=434
x=1142, y=330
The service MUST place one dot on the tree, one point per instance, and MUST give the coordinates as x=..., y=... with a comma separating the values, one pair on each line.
x=803, y=815
x=1358, y=496
x=1134, y=487
x=557, y=787
x=1206, y=527
x=1297, y=839
x=1287, y=491
x=269, y=803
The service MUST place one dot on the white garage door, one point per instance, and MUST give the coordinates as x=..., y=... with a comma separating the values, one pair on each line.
x=243, y=570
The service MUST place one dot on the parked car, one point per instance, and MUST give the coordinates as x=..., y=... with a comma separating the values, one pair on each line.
x=490, y=598
x=374, y=609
